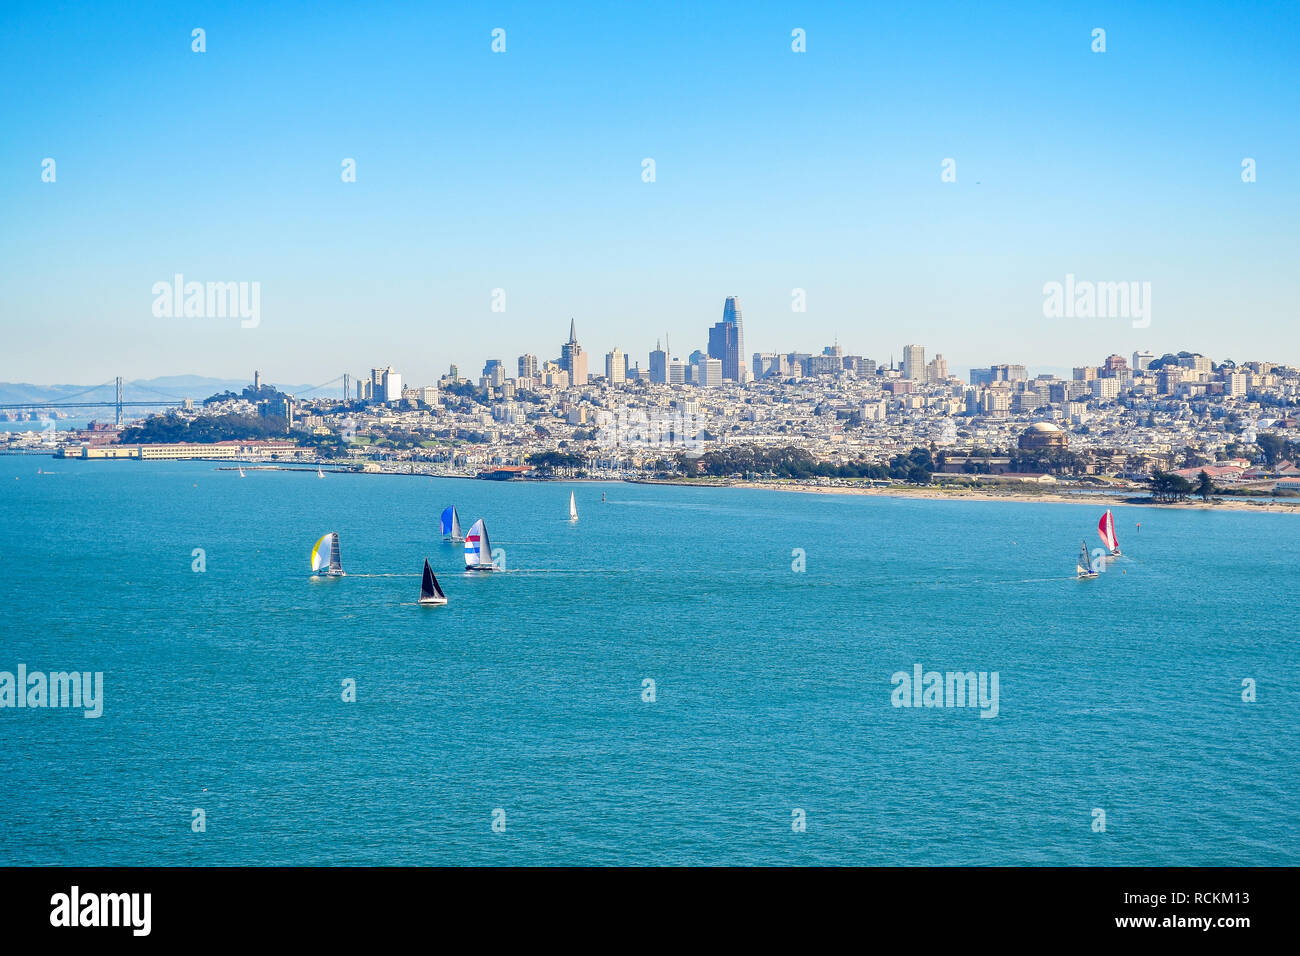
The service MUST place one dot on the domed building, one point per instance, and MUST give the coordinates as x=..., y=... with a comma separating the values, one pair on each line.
x=1043, y=435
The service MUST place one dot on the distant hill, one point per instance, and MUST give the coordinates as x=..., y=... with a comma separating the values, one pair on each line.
x=197, y=387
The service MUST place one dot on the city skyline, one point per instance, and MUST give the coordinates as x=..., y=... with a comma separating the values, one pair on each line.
x=936, y=210
x=511, y=359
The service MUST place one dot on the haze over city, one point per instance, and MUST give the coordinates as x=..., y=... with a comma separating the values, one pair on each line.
x=524, y=171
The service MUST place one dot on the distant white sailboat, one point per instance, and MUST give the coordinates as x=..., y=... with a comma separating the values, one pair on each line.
x=573, y=508
x=1083, y=567
x=325, y=556
x=241, y=471
x=430, y=592
x=319, y=473
x=1106, y=528
x=478, y=550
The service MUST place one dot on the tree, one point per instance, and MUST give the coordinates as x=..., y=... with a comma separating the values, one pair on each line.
x=1272, y=446
x=1168, y=487
x=1204, y=485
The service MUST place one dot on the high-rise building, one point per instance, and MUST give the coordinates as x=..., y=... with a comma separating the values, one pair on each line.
x=1142, y=360
x=937, y=370
x=727, y=341
x=1105, y=389
x=615, y=367
x=708, y=371
x=658, y=365
x=392, y=387
x=914, y=361
x=528, y=366
x=573, y=359
x=494, y=373
x=771, y=365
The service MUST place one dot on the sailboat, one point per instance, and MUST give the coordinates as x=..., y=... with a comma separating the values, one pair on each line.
x=319, y=473
x=451, y=525
x=1106, y=528
x=573, y=508
x=430, y=593
x=325, y=556
x=241, y=471
x=1083, y=567
x=478, y=550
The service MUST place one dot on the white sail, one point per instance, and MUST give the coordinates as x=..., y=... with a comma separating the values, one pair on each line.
x=1084, y=566
x=1106, y=529
x=241, y=471
x=450, y=524
x=478, y=550
x=322, y=552
x=573, y=507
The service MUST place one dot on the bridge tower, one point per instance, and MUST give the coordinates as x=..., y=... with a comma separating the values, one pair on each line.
x=346, y=381
x=119, y=401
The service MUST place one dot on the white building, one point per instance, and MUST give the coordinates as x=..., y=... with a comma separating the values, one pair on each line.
x=914, y=361
x=615, y=367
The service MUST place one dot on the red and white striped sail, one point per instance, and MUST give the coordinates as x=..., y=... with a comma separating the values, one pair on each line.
x=1106, y=528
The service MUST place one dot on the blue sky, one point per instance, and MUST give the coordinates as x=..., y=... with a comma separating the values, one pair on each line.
x=522, y=171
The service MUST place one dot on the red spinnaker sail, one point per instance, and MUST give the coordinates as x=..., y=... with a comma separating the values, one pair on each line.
x=1106, y=528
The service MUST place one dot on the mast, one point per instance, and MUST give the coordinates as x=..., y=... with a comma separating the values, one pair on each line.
x=336, y=562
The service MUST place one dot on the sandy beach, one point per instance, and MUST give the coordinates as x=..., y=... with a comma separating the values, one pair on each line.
x=1089, y=498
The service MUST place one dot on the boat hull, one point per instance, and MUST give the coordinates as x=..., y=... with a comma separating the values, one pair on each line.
x=431, y=602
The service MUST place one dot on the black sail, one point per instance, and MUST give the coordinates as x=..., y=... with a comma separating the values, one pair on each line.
x=429, y=586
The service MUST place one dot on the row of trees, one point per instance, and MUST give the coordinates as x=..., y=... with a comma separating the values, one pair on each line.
x=916, y=466
x=1168, y=487
x=556, y=462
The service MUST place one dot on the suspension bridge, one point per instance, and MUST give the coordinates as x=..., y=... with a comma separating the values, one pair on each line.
x=153, y=399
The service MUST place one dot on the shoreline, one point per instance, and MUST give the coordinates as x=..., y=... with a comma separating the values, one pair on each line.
x=1260, y=505
x=1264, y=505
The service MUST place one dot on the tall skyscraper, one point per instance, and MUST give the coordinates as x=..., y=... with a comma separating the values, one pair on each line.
x=392, y=386
x=658, y=365
x=528, y=365
x=727, y=340
x=914, y=361
x=573, y=359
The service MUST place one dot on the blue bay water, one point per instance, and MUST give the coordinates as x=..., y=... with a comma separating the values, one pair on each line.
x=223, y=688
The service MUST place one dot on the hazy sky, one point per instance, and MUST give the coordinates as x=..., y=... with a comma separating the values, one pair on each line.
x=522, y=171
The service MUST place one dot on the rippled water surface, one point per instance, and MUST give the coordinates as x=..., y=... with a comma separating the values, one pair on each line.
x=223, y=689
